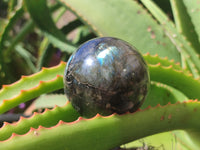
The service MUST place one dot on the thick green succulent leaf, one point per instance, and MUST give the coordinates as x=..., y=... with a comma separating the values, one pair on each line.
x=183, y=23
x=112, y=131
x=157, y=95
x=46, y=24
x=176, y=79
x=51, y=79
x=189, y=56
x=46, y=119
x=165, y=141
x=127, y=20
x=162, y=94
x=185, y=138
x=30, y=87
x=53, y=100
x=155, y=59
x=193, y=8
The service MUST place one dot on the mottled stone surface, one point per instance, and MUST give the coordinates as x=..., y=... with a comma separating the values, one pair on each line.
x=106, y=75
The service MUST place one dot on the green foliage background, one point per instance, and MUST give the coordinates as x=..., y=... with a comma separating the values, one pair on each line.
x=44, y=33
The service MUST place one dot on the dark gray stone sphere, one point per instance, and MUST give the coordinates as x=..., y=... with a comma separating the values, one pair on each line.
x=106, y=75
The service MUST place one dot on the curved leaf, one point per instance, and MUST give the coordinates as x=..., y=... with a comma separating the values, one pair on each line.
x=47, y=119
x=165, y=141
x=30, y=87
x=112, y=131
x=193, y=8
x=8, y=26
x=162, y=94
x=155, y=59
x=157, y=95
x=51, y=79
x=184, y=24
x=127, y=20
x=177, y=79
x=50, y=101
x=189, y=55
x=46, y=24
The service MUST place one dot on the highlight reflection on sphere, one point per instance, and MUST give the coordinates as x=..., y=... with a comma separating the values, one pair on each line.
x=106, y=75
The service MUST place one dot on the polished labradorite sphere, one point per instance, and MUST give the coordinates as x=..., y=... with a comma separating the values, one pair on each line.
x=106, y=75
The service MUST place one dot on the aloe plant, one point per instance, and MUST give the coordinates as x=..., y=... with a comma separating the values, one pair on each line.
x=169, y=117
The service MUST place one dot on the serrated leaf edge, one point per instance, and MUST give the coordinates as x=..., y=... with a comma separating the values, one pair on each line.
x=95, y=117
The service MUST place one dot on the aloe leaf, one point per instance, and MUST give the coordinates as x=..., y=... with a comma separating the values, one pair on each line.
x=47, y=119
x=176, y=79
x=47, y=25
x=155, y=59
x=184, y=24
x=45, y=54
x=166, y=140
x=182, y=45
x=30, y=87
x=162, y=94
x=112, y=131
x=193, y=9
x=51, y=79
x=53, y=100
x=49, y=101
x=127, y=20
x=157, y=95
x=185, y=138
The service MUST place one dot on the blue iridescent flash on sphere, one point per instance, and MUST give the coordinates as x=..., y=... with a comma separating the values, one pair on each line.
x=106, y=75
